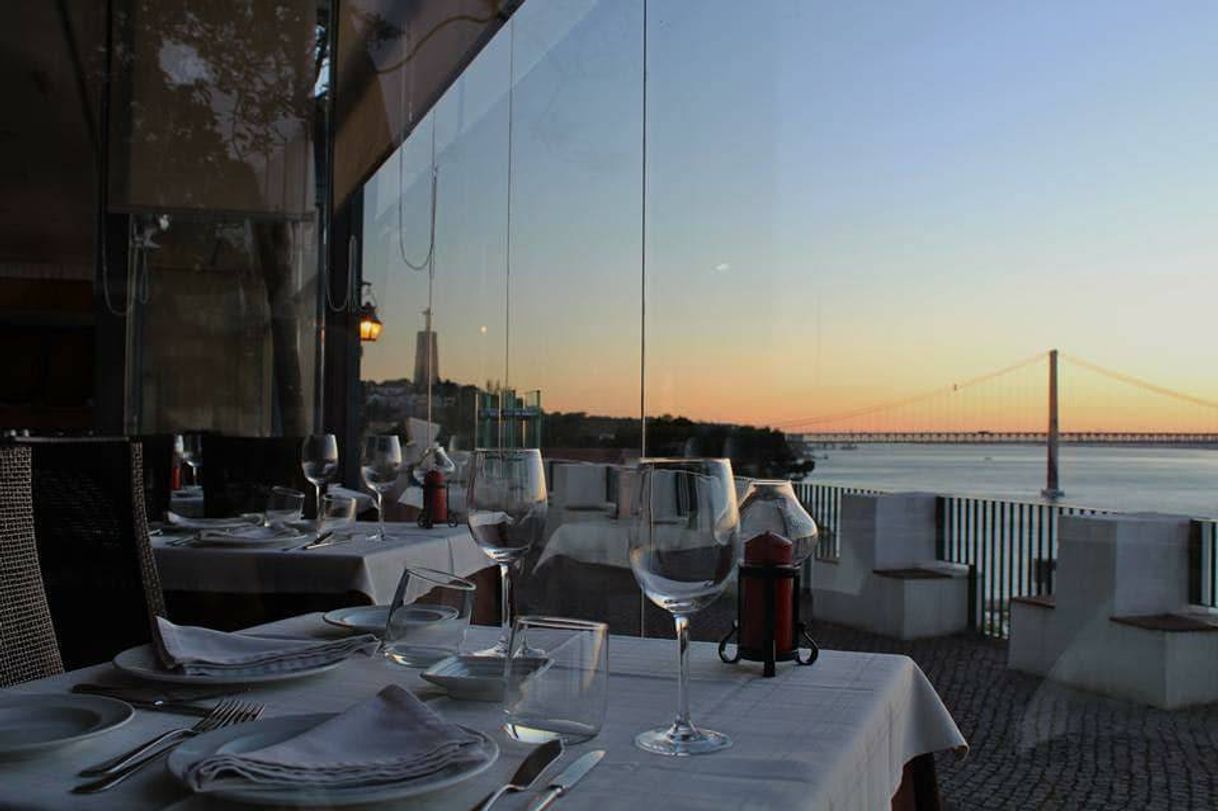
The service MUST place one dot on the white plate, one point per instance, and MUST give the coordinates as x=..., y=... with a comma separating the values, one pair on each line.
x=33, y=722
x=367, y=619
x=251, y=536
x=256, y=735
x=479, y=678
x=142, y=662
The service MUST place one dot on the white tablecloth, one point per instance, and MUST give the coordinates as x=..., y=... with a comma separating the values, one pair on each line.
x=370, y=567
x=831, y=736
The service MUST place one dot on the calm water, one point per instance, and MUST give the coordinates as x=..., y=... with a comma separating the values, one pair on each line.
x=1171, y=480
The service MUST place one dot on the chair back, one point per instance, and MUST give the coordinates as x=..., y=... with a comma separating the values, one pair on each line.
x=28, y=649
x=240, y=471
x=96, y=559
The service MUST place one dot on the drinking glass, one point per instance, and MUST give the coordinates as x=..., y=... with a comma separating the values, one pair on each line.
x=557, y=680
x=284, y=505
x=336, y=512
x=427, y=619
x=506, y=515
x=190, y=448
x=684, y=542
x=319, y=461
x=771, y=506
x=381, y=462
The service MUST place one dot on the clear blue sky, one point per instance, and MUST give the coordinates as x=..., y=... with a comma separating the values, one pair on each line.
x=847, y=202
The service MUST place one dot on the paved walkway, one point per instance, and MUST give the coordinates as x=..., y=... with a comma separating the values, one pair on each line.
x=1038, y=745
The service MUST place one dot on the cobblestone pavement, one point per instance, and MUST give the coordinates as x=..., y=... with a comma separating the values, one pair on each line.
x=1035, y=744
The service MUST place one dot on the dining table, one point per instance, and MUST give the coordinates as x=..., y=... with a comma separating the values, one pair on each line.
x=837, y=734
x=355, y=561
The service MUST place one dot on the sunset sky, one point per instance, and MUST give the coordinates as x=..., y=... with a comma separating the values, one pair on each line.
x=847, y=204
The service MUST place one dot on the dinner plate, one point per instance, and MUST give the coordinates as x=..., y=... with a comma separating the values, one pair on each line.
x=142, y=662
x=367, y=619
x=32, y=722
x=257, y=734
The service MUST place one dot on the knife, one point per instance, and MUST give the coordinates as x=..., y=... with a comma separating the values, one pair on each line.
x=568, y=778
x=153, y=704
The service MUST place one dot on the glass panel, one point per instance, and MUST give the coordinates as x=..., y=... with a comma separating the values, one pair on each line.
x=212, y=150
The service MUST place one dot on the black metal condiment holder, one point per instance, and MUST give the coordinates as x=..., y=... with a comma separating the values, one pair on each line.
x=768, y=651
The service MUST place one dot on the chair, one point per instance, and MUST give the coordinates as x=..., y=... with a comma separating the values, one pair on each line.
x=28, y=649
x=92, y=530
x=240, y=471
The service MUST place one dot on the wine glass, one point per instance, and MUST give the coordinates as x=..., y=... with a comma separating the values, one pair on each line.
x=684, y=542
x=190, y=448
x=319, y=461
x=506, y=515
x=380, y=465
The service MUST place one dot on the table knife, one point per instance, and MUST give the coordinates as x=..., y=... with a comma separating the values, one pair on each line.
x=566, y=779
x=153, y=704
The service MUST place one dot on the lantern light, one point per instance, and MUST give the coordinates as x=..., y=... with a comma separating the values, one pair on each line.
x=370, y=325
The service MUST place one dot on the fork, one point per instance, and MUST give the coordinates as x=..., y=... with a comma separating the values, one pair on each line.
x=118, y=769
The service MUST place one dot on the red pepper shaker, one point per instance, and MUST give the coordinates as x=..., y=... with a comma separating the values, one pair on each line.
x=767, y=549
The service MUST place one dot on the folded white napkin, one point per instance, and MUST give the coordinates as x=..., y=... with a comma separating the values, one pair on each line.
x=205, y=652
x=249, y=533
x=186, y=522
x=388, y=738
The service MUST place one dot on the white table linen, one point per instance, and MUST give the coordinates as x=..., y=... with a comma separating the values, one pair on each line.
x=832, y=736
x=368, y=566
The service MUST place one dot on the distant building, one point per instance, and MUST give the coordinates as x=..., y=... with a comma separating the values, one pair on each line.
x=421, y=346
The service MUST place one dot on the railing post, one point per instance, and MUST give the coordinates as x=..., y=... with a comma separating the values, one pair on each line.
x=940, y=528
x=1195, y=574
x=972, y=597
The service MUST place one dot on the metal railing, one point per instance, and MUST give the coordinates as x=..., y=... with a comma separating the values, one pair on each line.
x=1010, y=547
x=824, y=503
x=1203, y=563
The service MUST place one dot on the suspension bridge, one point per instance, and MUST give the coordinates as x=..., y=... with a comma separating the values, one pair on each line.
x=1028, y=394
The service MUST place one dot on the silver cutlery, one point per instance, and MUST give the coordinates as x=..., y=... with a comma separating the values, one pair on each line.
x=527, y=773
x=180, y=703
x=161, y=705
x=321, y=540
x=118, y=769
x=326, y=539
x=569, y=776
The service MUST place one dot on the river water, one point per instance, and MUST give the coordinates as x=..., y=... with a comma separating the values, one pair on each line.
x=1124, y=478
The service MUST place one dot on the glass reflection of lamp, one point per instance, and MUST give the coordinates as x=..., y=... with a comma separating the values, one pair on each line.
x=370, y=325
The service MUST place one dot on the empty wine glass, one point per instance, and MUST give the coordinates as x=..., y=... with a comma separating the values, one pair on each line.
x=190, y=448
x=506, y=515
x=380, y=465
x=684, y=541
x=319, y=461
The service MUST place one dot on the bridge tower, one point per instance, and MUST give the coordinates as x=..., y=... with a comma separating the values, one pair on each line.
x=1052, y=489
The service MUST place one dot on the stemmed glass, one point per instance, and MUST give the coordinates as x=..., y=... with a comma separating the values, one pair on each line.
x=190, y=448
x=506, y=515
x=380, y=465
x=684, y=542
x=319, y=461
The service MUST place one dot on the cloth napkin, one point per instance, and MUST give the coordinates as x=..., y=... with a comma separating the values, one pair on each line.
x=388, y=738
x=205, y=652
x=186, y=522
x=247, y=532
